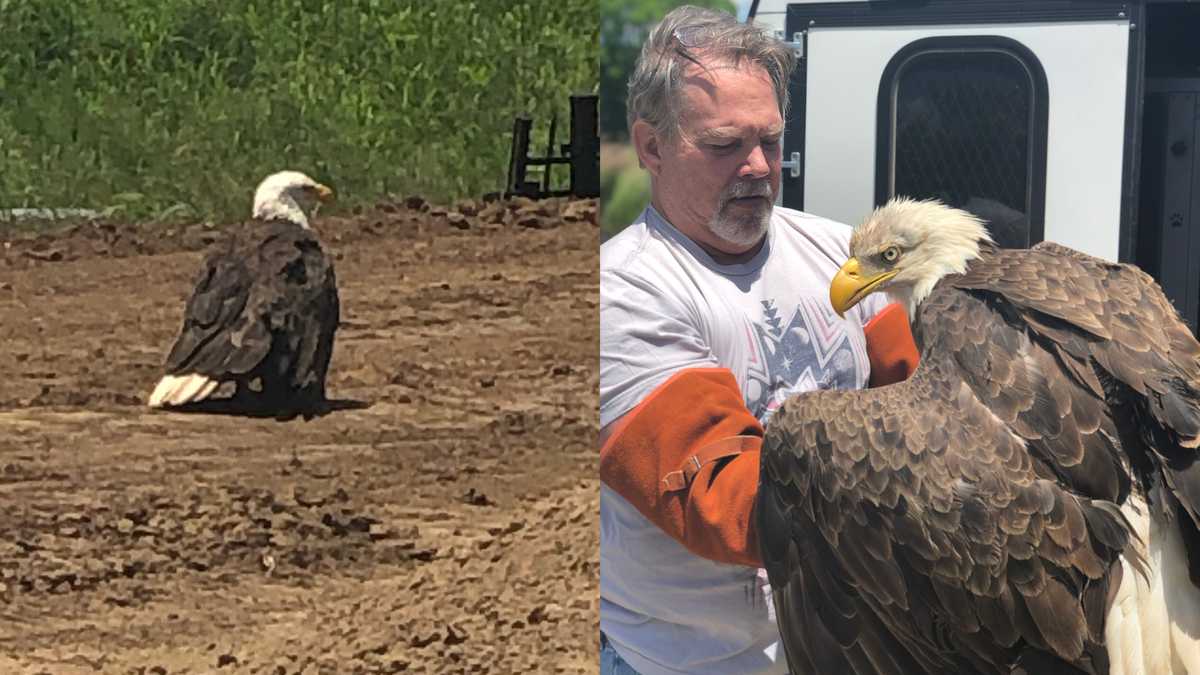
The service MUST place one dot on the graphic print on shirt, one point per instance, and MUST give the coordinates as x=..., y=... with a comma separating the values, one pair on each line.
x=811, y=350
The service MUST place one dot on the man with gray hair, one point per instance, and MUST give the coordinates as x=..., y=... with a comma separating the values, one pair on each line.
x=714, y=308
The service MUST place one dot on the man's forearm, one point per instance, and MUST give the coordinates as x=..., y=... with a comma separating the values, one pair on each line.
x=687, y=459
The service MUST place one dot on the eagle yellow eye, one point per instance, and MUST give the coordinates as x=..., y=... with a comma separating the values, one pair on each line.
x=890, y=254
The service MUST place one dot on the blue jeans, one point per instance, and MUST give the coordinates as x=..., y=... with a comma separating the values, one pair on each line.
x=611, y=662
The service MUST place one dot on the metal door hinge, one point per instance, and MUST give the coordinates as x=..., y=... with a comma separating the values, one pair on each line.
x=792, y=165
x=797, y=43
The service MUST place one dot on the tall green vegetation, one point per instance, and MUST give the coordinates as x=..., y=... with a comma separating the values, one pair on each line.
x=177, y=107
x=624, y=188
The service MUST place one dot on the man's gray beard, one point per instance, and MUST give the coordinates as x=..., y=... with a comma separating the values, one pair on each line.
x=745, y=230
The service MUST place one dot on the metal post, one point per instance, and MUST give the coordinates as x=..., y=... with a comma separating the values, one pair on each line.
x=549, y=154
x=519, y=156
x=585, y=146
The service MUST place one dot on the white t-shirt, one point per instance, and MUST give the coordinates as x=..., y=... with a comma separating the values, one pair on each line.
x=666, y=305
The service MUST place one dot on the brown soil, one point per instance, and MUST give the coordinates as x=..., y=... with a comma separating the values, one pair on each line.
x=444, y=520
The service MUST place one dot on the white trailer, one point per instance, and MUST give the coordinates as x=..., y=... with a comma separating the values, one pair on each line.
x=1069, y=120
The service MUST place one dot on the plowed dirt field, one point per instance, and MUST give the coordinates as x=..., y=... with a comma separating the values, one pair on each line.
x=443, y=519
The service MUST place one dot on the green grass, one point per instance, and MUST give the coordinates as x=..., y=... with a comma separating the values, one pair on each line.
x=624, y=188
x=176, y=108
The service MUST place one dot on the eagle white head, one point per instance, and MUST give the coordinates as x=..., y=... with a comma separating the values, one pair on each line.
x=289, y=195
x=904, y=248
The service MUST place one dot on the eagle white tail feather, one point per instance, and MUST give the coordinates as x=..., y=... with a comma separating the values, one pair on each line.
x=209, y=387
x=164, y=388
x=175, y=390
x=1153, y=625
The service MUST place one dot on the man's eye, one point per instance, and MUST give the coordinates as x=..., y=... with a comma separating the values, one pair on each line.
x=725, y=147
x=770, y=142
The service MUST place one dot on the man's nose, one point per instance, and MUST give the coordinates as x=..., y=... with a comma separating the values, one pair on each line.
x=755, y=165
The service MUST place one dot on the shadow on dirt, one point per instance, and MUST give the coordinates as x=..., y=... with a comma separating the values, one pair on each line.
x=238, y=408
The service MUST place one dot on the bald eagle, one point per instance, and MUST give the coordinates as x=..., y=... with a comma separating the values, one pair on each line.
x=264, y=309
x=1026, y=502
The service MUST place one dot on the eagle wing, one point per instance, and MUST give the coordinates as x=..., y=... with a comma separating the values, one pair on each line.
x=1113, y=332
x=301, y=306
x=1112, y=313
x=222, y=335
x=269, y=283
x=915, y=528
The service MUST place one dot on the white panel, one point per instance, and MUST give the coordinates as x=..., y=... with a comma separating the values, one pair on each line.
x=1085, y=66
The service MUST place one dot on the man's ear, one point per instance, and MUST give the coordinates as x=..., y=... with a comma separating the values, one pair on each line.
x=648, y=146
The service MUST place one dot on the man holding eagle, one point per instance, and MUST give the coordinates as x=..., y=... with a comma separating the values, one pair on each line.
x=1026, y=502
x=713, y=310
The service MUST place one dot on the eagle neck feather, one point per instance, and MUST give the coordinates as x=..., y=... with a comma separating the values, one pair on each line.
x=282, y=207
x=951, y=257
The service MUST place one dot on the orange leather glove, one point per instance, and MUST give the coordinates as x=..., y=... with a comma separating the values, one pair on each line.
x=890, y=346
x=687, y=459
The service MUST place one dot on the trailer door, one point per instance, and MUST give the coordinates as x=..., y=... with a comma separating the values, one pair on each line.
x=1013, y=110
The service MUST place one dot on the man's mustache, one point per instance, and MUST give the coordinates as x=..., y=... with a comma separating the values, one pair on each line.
x=757, y=188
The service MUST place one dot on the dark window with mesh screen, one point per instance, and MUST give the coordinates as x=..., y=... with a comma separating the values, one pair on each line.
x=965, y=129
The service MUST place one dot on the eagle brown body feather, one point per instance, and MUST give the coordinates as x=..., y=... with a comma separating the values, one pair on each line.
x=265, y=306
x=968, y=520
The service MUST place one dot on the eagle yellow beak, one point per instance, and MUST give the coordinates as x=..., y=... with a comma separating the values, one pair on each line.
x=849, y=287
x=324, y=193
